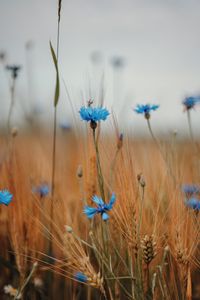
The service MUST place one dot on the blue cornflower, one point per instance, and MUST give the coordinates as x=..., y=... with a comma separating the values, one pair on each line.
x=145, y=109
x=93, y=114
x=190, y=102
x=81, y=277
x=190, y=189
x=193, y=203
x=5, y=197
x=42, y=190
x=102, y=208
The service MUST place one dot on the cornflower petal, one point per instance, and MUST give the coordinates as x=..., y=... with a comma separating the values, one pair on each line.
x=112, y=201
x=145, y=109
x=90, y=211
x=81, y=277
x=97, y=200
x=93, y=114
x=105, y=216
x=5, y=197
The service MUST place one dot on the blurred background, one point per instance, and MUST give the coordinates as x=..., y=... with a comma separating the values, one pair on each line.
x=131, y=51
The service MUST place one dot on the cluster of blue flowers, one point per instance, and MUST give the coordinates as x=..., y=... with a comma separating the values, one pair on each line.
x=190, y=189
x=193, y=203
x=191, y=192
x=102, y=208
x=5, y=197
x=42, y=190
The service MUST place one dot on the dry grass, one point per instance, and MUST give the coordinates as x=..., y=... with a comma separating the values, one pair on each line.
x=151, y=239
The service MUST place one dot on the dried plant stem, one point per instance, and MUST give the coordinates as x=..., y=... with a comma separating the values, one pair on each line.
x=12, y=103
x=21, y=289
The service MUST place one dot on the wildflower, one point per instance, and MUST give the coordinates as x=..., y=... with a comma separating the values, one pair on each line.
x=14, y=70
x=145, y=109
x=81, y=277
x=38, y=282
x=101, y=208
x=120, y=141
x=193, y=203
x=5, y=197
x=65, y=126
x=118, y=62
x=93, y=114
x=190, y=102
x=11, y=291
x=42, y=190
x=2, y=56
x=190, y=189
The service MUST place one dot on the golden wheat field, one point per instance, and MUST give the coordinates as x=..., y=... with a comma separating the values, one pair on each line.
x=149, y=247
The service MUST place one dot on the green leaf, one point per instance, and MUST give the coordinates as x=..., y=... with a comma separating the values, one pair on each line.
x=57, y=88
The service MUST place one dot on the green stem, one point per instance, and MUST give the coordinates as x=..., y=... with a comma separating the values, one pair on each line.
x=190, y=125
x=100, y=175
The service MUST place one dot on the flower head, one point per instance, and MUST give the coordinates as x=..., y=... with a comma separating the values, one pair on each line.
x=93, y=114
x=102, y=208
x=145, y=109
x=5, y=197
x=193, y=203
x=65, y=126
x=190, y=102
x=42, y=190
x=11, y=291
x=14, y=69
x=81, y=277
x=190, y=189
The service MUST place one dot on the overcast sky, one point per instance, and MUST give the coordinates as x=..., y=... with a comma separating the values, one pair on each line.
x=159, y=41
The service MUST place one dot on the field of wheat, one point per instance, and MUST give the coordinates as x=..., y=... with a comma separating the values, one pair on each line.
x=147, y=249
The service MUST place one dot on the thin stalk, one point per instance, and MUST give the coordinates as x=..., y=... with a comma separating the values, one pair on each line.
x=100, y=175
x=12, y=102
x=141, y=212
x=21, y=289
x=195, y=144
x=139, y=258
x=50, y=250
x=190, y=125
x=131, y=271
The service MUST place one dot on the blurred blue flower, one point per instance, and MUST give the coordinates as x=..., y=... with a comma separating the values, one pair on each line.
x=5, y=197
x=146, y=109
x=93, y=114
x=81, y=277
x=65, y=126
x=190, y=189
x=42, y=190
x=190, y=102
x=193, y=203
x=102, y=208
